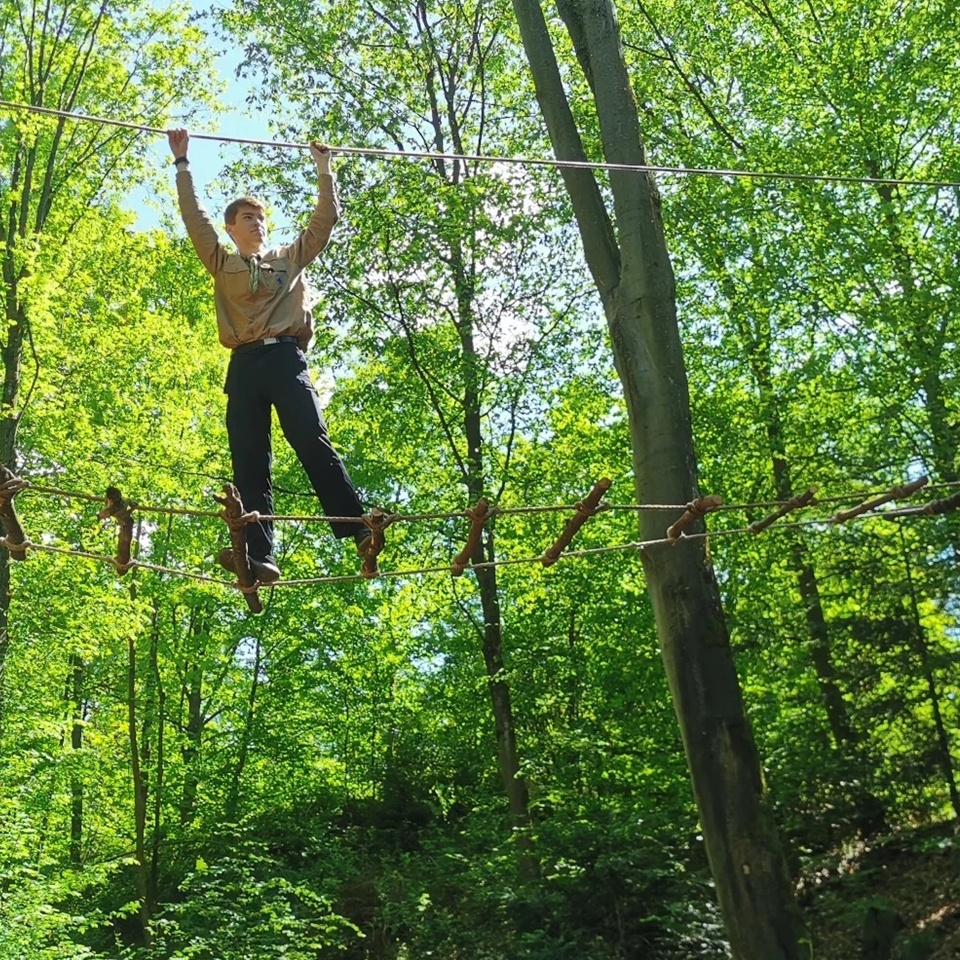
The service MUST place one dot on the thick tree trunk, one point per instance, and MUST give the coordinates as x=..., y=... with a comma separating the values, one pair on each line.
x=632, y=271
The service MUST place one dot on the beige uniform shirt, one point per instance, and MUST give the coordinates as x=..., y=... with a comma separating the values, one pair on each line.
x=265, y=296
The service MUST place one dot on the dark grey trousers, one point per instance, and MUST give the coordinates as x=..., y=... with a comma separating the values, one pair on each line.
x=276, y=375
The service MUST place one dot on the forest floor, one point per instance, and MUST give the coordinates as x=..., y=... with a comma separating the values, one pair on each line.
x=893, y=898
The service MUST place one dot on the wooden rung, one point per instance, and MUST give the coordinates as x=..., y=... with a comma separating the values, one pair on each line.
x=694, y=511
x=931, y=509
x=121, y=511
x=478, y=516
x=895, y=493
x=586, y=508
x=236, y=520
x=801, y=500
x=375, y=521
x=10, y=486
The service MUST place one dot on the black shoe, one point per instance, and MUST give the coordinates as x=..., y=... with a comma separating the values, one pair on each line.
x=363, y=538
x=266, y=570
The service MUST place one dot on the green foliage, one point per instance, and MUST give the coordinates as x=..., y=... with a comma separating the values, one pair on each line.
x=45, y=913
x=349, y=727
x=241, y=905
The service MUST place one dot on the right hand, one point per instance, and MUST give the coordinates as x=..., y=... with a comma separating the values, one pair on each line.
x=179, y=140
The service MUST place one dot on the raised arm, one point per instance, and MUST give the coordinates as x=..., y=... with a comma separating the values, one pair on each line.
x=316, y=236
x=200, y=228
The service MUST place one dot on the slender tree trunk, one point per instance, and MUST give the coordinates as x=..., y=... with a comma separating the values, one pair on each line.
x=76, y=744
x=513, y=782
x=193, y=686
x=755, y=340
x=756, y=337
x=233, y=799
x=633, y=274
x=923, y=339
x=444, y=116
x=12, y=354
x=157, y=704
x=139, y=795
x=923, y=651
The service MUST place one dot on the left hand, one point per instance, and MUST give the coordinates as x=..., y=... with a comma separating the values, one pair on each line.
x=321, y=156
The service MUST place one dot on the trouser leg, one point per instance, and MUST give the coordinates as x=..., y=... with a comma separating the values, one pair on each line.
x=298, y=410
x=248, y=430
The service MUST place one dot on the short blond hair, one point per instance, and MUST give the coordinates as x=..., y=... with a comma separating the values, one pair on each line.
x=230, y=214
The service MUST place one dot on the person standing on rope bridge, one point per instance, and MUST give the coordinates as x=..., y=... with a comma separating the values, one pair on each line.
x=264, y=319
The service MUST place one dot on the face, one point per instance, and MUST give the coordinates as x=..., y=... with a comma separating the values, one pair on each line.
x=249, y=230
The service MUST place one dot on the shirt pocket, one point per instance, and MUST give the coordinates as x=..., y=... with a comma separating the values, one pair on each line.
x=275, y=275
x=235, y=278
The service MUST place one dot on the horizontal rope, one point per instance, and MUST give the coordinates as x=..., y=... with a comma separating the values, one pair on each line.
x=488, y=158
x=111, y=561
x=637, y=545
x=460, y=514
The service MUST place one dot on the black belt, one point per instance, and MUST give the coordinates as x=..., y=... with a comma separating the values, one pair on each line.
x=265, y=342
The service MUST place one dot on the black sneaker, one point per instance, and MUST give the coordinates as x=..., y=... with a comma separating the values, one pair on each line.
x=363, y=539
x=266, y=570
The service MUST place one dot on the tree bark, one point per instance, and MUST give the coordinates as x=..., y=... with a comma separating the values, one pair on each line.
x=139, y=795
x=633, y=274
x=943, y=752
x=76, y=744
x=233, y=798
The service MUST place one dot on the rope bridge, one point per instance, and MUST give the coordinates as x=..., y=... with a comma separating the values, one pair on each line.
x=116, y=508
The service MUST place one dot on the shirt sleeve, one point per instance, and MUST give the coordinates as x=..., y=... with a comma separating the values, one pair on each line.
x=200, y=228
x=315, y=237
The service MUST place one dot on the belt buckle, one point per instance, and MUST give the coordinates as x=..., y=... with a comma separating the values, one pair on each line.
x=268, y=340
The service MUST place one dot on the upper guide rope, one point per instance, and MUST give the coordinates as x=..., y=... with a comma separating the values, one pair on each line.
x=521, y=161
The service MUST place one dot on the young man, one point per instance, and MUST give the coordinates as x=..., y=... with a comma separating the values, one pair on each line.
x=264, y=319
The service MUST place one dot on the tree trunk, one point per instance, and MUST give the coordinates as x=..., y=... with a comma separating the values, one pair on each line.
x=12, y=354
x=246, y=732
x=157, y=699
x=76, y=744
x=634, y=277
x=923, y=652
x=755, y=342
x=514, y=784
x=139, y=795
x=192, y=690
x=472, y=465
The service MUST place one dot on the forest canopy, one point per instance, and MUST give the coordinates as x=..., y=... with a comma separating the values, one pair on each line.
x=514, y=762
